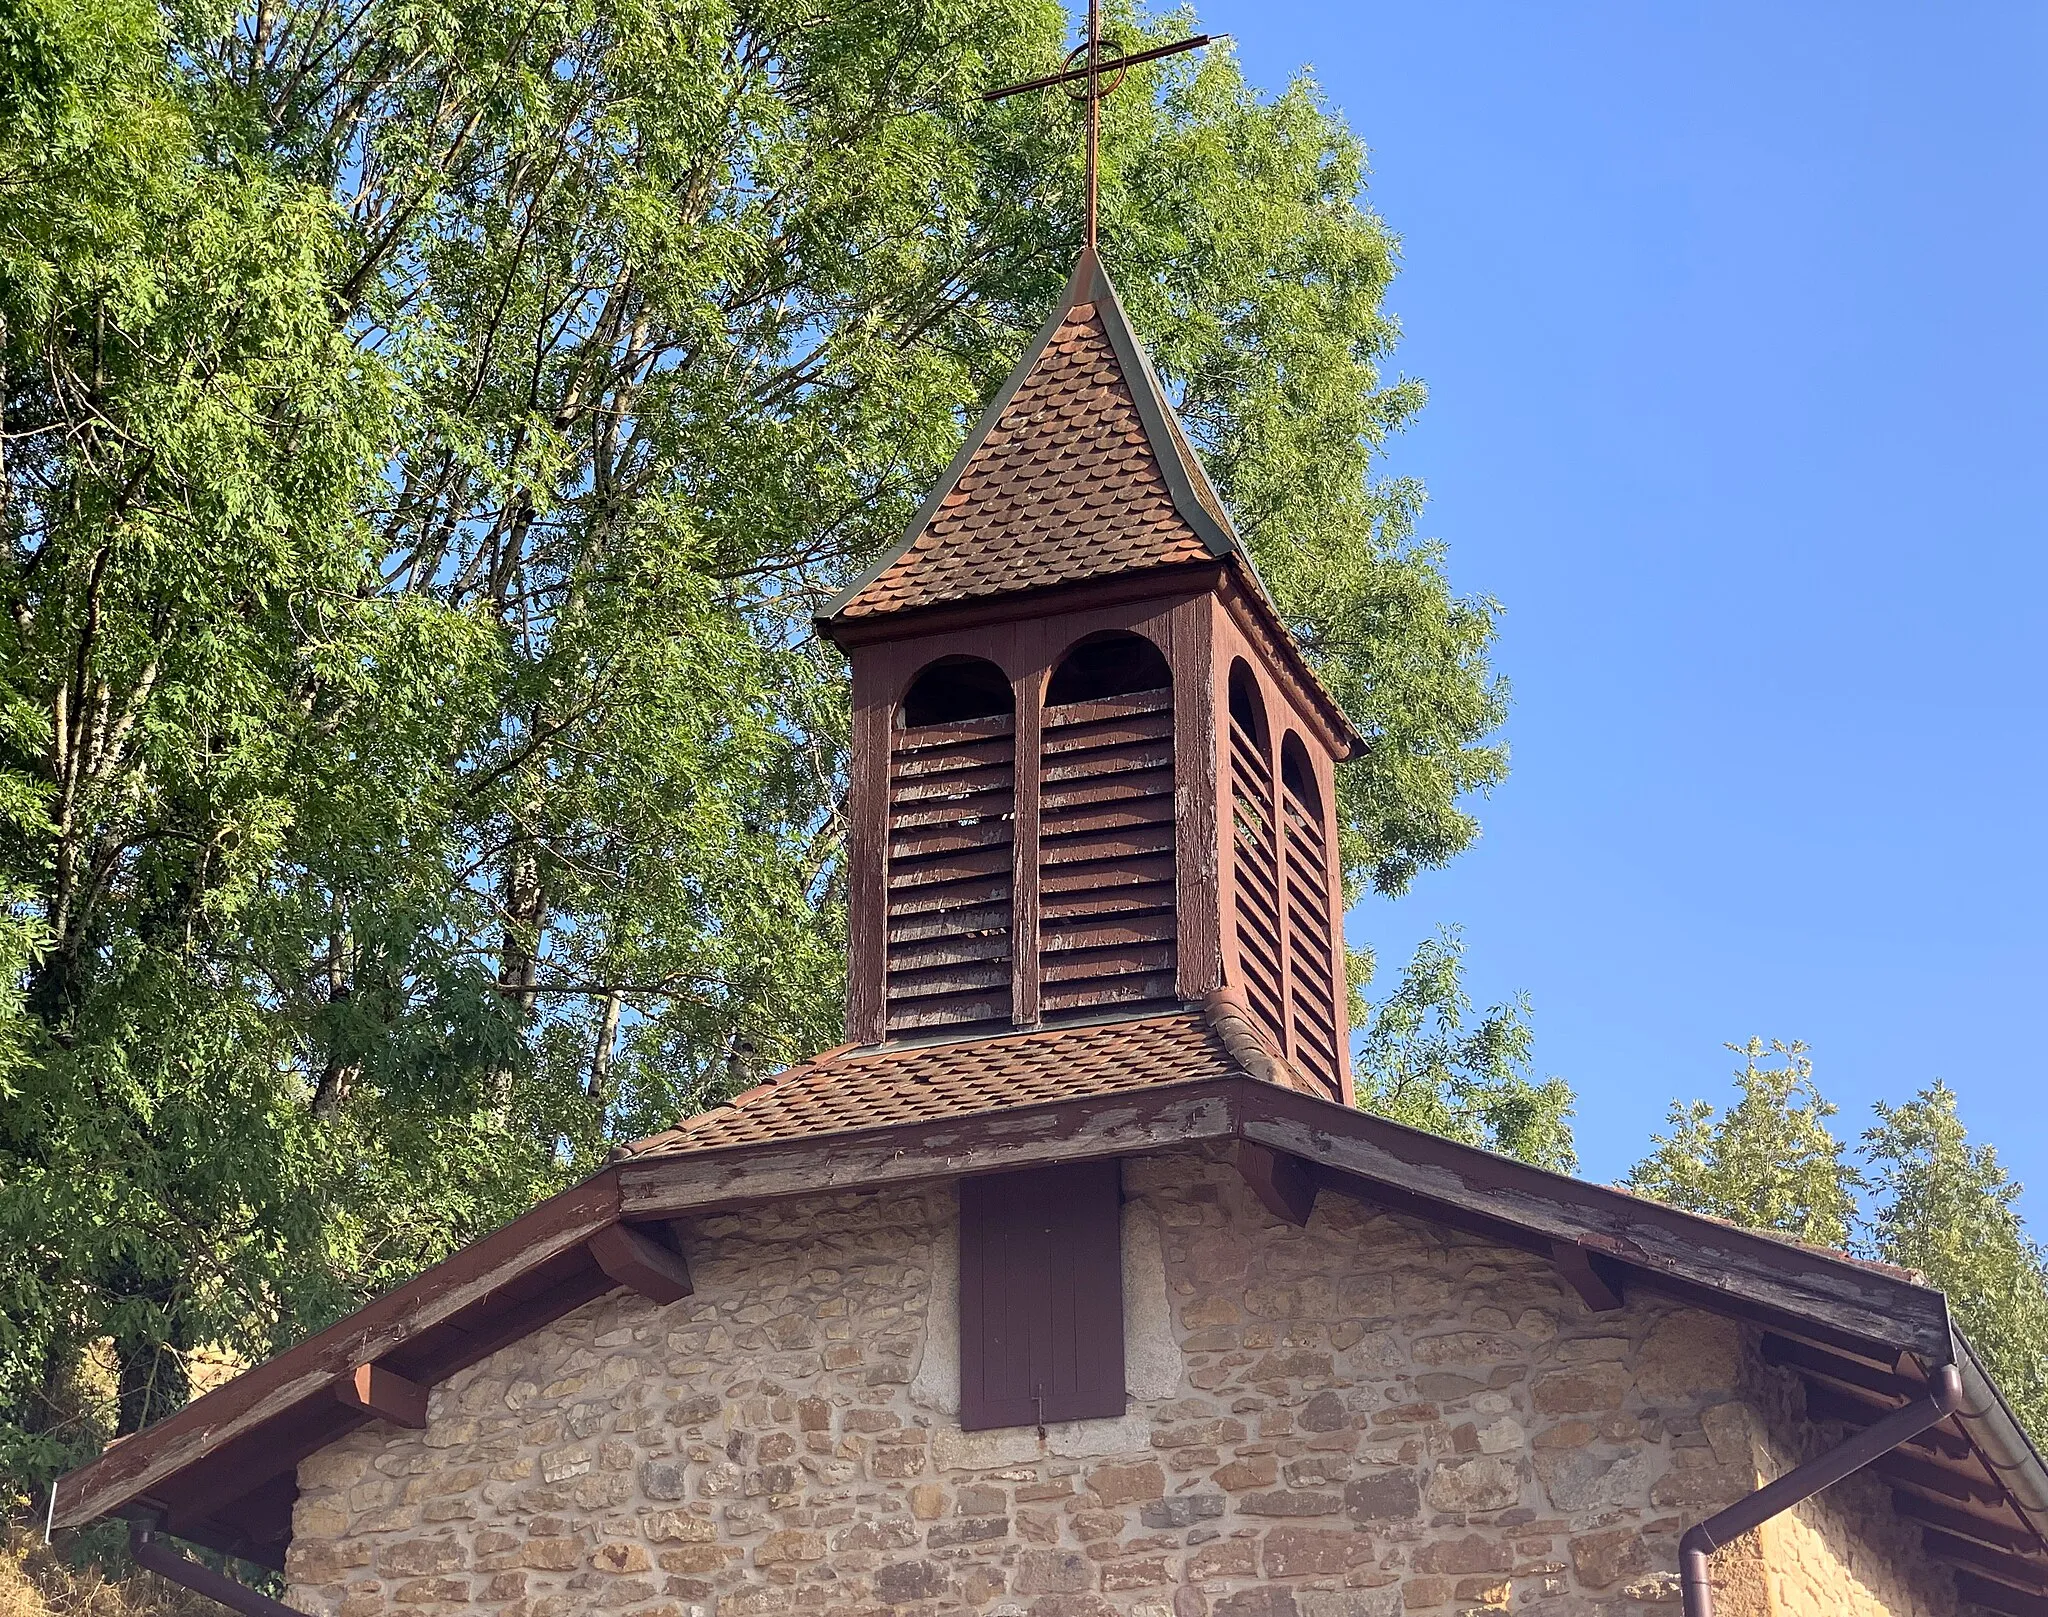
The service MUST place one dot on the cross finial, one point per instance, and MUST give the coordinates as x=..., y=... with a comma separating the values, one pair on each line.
x=1086, y=70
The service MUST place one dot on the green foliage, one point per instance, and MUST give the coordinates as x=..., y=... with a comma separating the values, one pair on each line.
x=1935, y=1202
x=1949, y=1210
x=1421, y=1064
x=427, y=430
x=1770, y=1162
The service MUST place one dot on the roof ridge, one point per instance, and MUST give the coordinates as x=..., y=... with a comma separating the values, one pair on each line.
x=1230, y=1018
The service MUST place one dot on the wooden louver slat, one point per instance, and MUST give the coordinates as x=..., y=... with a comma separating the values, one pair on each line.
x=951, y=829
x=1107, y=927
x=1255, y=862
x=1312, y=982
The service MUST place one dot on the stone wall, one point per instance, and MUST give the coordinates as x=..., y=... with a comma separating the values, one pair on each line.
x=1845, y=1552
x=1369, y=1416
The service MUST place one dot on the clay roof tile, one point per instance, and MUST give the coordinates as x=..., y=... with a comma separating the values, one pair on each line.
x=856, y=1088
x=1077, y=471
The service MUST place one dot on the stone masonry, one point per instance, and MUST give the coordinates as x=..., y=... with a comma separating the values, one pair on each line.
x=1369, y=1416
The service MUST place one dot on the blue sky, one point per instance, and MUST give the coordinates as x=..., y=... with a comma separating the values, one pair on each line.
x=1734, y=323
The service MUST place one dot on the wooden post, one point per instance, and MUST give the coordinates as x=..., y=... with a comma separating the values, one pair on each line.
x=867, y=852
x=1199, y=736
x=1027, y=684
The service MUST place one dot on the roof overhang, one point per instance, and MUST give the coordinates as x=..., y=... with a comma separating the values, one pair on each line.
x=220, y=1471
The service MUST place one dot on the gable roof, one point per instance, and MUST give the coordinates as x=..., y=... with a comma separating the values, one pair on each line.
x=1077, y=470
x=222, y=1470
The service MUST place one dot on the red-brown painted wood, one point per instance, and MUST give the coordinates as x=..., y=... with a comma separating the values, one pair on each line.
x=1041, y=1297
x=1196, y=762
x=630, y=1259
x=867, y=853
x=1105, y=851
x=385, y=1394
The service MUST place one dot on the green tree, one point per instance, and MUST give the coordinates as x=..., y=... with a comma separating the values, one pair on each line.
x=1926, y=1199
x=1770, y=1162
x=1420, y=1063
x=428, y=429
x=1950, y=1210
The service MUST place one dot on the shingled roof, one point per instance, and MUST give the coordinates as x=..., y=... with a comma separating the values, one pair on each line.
x=855, y=1088
x=1077, y=470
x=221, y=1470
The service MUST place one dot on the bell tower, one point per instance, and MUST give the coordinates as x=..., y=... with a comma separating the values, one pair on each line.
x=1092, y=772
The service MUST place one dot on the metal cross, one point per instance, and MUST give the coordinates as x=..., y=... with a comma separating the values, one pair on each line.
x=1089, y=74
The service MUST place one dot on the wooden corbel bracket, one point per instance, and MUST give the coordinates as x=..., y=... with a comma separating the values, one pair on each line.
x=385, y=1394
x=1284, y=1183
x=631, y=1260
x=1596, y=1279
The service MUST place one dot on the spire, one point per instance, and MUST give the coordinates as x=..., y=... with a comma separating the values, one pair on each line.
x=1077, y=470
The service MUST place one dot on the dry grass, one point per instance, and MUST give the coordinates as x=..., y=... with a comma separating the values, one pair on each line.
x=36, y=1582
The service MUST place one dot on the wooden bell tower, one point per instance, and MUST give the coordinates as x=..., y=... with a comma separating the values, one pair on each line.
x=1092, y=772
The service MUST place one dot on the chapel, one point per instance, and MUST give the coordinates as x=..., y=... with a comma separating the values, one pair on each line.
x=1073, y=1284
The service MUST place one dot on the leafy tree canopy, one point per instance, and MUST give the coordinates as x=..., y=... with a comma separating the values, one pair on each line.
x=1925, y=1199
x=428, y=426
x=1770, y=1162
x=1949, y=1209
x=1420, y=1063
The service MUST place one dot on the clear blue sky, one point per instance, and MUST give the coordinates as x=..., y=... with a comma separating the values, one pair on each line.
x=1735, y=323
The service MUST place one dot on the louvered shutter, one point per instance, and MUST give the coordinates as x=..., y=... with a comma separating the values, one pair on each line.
x=1255, y=855
x=951, y=815
x=1041, y=1296
x=1312, y=951
x=1106, y=855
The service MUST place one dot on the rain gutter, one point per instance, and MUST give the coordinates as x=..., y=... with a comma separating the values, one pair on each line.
x=2001, y=1442
x=1945, y=1397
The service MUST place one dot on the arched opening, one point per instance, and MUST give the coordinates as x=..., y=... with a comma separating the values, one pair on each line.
x=1247, y=707
x=1298, y=775
x=952, y=816
x=1254, y=853
x=1311, y=942
x=1105, y=665
x=955, y=689
x=1106, y=932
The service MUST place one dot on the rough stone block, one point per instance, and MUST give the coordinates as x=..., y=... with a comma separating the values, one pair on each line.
x=1052, y=1572
x=1384, y=1496
x=1484, y=1482
x=1127, y=1484
x=911, y=1580
x=1183, y=1510
x=1296, y=1552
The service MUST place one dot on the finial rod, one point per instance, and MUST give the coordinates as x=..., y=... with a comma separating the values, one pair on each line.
x=1092, y=72
x=1094, y=116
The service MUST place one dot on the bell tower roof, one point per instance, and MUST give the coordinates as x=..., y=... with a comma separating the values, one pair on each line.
x=1077, y=470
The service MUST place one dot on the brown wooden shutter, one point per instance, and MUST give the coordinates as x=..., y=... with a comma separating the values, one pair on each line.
x=1041, y=1296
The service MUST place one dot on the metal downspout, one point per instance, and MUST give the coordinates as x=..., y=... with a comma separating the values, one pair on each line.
x=1803, y=1482
x=182, y=1569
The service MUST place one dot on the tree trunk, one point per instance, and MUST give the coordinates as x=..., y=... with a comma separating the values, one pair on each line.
x=600, y=1090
